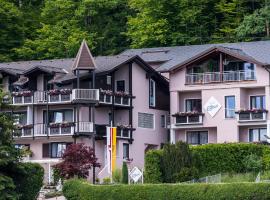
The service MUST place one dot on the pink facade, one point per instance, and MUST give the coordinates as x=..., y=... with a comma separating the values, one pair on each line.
x=226, y=125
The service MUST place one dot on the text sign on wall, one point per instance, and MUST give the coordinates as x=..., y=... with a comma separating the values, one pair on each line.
x=212, y=106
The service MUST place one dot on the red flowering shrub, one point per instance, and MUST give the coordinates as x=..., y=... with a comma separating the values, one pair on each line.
x=78, y=159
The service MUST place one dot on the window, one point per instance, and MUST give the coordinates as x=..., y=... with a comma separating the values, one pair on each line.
x=145, y=120
x=193, y=105
x=197, y=137
x=120, y=86
x=20, y=118
x=54, y=150
x=229, y=106
x=22, y=146
x=125, y=151
x=163, y=121
x=257, y=134
x=59, y=116
x=152, y=93
x=257, y=102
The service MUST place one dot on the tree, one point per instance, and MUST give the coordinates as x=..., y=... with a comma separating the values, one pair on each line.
x=11, y=31
x=255, y=26
x=78, y=159
x=124, y=173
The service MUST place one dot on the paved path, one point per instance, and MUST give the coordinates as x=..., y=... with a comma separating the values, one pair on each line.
x=57, y=198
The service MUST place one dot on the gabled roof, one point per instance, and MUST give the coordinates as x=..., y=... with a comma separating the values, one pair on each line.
x=46, y=69
x=84, y=59
x=172, y=56
x=11, y=71
x=237, y=53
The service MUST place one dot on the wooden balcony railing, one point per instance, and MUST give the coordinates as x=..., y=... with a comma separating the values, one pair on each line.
x=249, y=116
x=216, y=77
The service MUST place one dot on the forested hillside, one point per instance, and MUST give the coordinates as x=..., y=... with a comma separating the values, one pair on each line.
x=42, y=29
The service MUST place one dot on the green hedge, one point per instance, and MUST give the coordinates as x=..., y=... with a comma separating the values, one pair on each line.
x=76, y=189
x=28, y=180
x=214, y=158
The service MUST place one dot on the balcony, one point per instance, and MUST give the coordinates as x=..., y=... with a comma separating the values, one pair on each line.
x=23, y=131
x=251, y=115
x=217, y=77
x=21, y=98
x=121, y=131
x=120, y=98
x=188, y=118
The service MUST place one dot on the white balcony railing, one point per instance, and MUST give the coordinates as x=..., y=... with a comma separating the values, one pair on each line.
x=251, y=116
x=85, y=127
x=85, y=94
x=123, y=133
x=215, y=77
x=19, y=100
x=24, y=132
x=105, y=99
x=189, y=119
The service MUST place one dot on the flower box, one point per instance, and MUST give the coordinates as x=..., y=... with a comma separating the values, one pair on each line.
x=184, y=114
x=242, y=111
x=54, y=92
x=27, y=93
x=106, y=92
x=65, y=91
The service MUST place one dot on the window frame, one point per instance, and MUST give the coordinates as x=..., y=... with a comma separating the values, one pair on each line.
x=152, y=95
x=120, y=81
x=58, y=110
x=192, y=99
x=262, y=101
x=228, y=109
x=259, y=134
x=199, y=132
x=163, y=121
x=128, y=151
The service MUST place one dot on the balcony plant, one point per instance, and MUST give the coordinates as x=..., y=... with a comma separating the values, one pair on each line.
x=106, y=92
x=54, y=92
x=253, y=110
x=121, y=94
x=26, y=93
x=122, y=126
x=189, y=113
x=55, y=125
x=65, y=91
x=67, y=124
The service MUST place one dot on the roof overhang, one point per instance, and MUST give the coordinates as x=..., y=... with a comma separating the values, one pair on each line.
x=202, y=55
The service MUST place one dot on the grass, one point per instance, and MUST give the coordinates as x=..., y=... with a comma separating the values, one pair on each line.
x=244, y=177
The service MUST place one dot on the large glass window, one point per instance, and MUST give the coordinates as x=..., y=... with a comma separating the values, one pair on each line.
x=197, y=137
x=20, y=118
x=193, y=105
x=257, y=102
x=230, y=106
x=152, y=93
x=59, y=116
x=257, y=134
x=125, y=151
x=58, y=149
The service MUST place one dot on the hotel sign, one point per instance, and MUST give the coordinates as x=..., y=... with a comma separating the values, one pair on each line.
x=212, y=106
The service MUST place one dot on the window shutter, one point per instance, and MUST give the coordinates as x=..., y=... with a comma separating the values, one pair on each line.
x=146, y=120
x=46, y=150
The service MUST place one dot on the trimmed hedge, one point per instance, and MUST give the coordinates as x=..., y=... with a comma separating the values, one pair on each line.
x=78, y=189
x=214, y=158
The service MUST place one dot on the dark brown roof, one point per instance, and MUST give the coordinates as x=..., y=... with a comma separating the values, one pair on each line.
x=84, y=59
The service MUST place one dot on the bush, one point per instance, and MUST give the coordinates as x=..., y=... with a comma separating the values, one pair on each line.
x=107, y=181
x=253, y=163
x=56, y=176
x=124, y=173
x=209, y=159
x=117, y=175
x=187, y=174
x=28, y=180
x=152, y=165
x=7, y=188
x=76, y=189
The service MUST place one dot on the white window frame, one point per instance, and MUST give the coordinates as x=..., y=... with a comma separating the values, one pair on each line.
x=152, y=104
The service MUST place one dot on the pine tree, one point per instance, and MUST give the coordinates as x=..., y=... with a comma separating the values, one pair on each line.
x=124, y=173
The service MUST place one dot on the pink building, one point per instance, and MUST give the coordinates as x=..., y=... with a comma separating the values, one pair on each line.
x=218, y=92
x=64, y=101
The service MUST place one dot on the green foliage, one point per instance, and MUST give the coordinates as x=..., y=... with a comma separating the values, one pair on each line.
x=253, y=163
x=56, y=176
x=153, y=173
x=28, y=179
x=208, y=160
x=176, y=158
x=124, y=173
x=75, y=189
x=106, y=180
x=117, y=176
x=53, y=194
x=7, y=188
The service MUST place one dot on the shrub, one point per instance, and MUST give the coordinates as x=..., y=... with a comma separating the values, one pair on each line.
x=117, y=175
x=28, y=180
x=253, y=163
x=75, y=189
x=56, y=176
x=7, y=188
x=124, y=173
x=187, y=174
x=208, y=159
x=107, y=181
x=152, y=173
